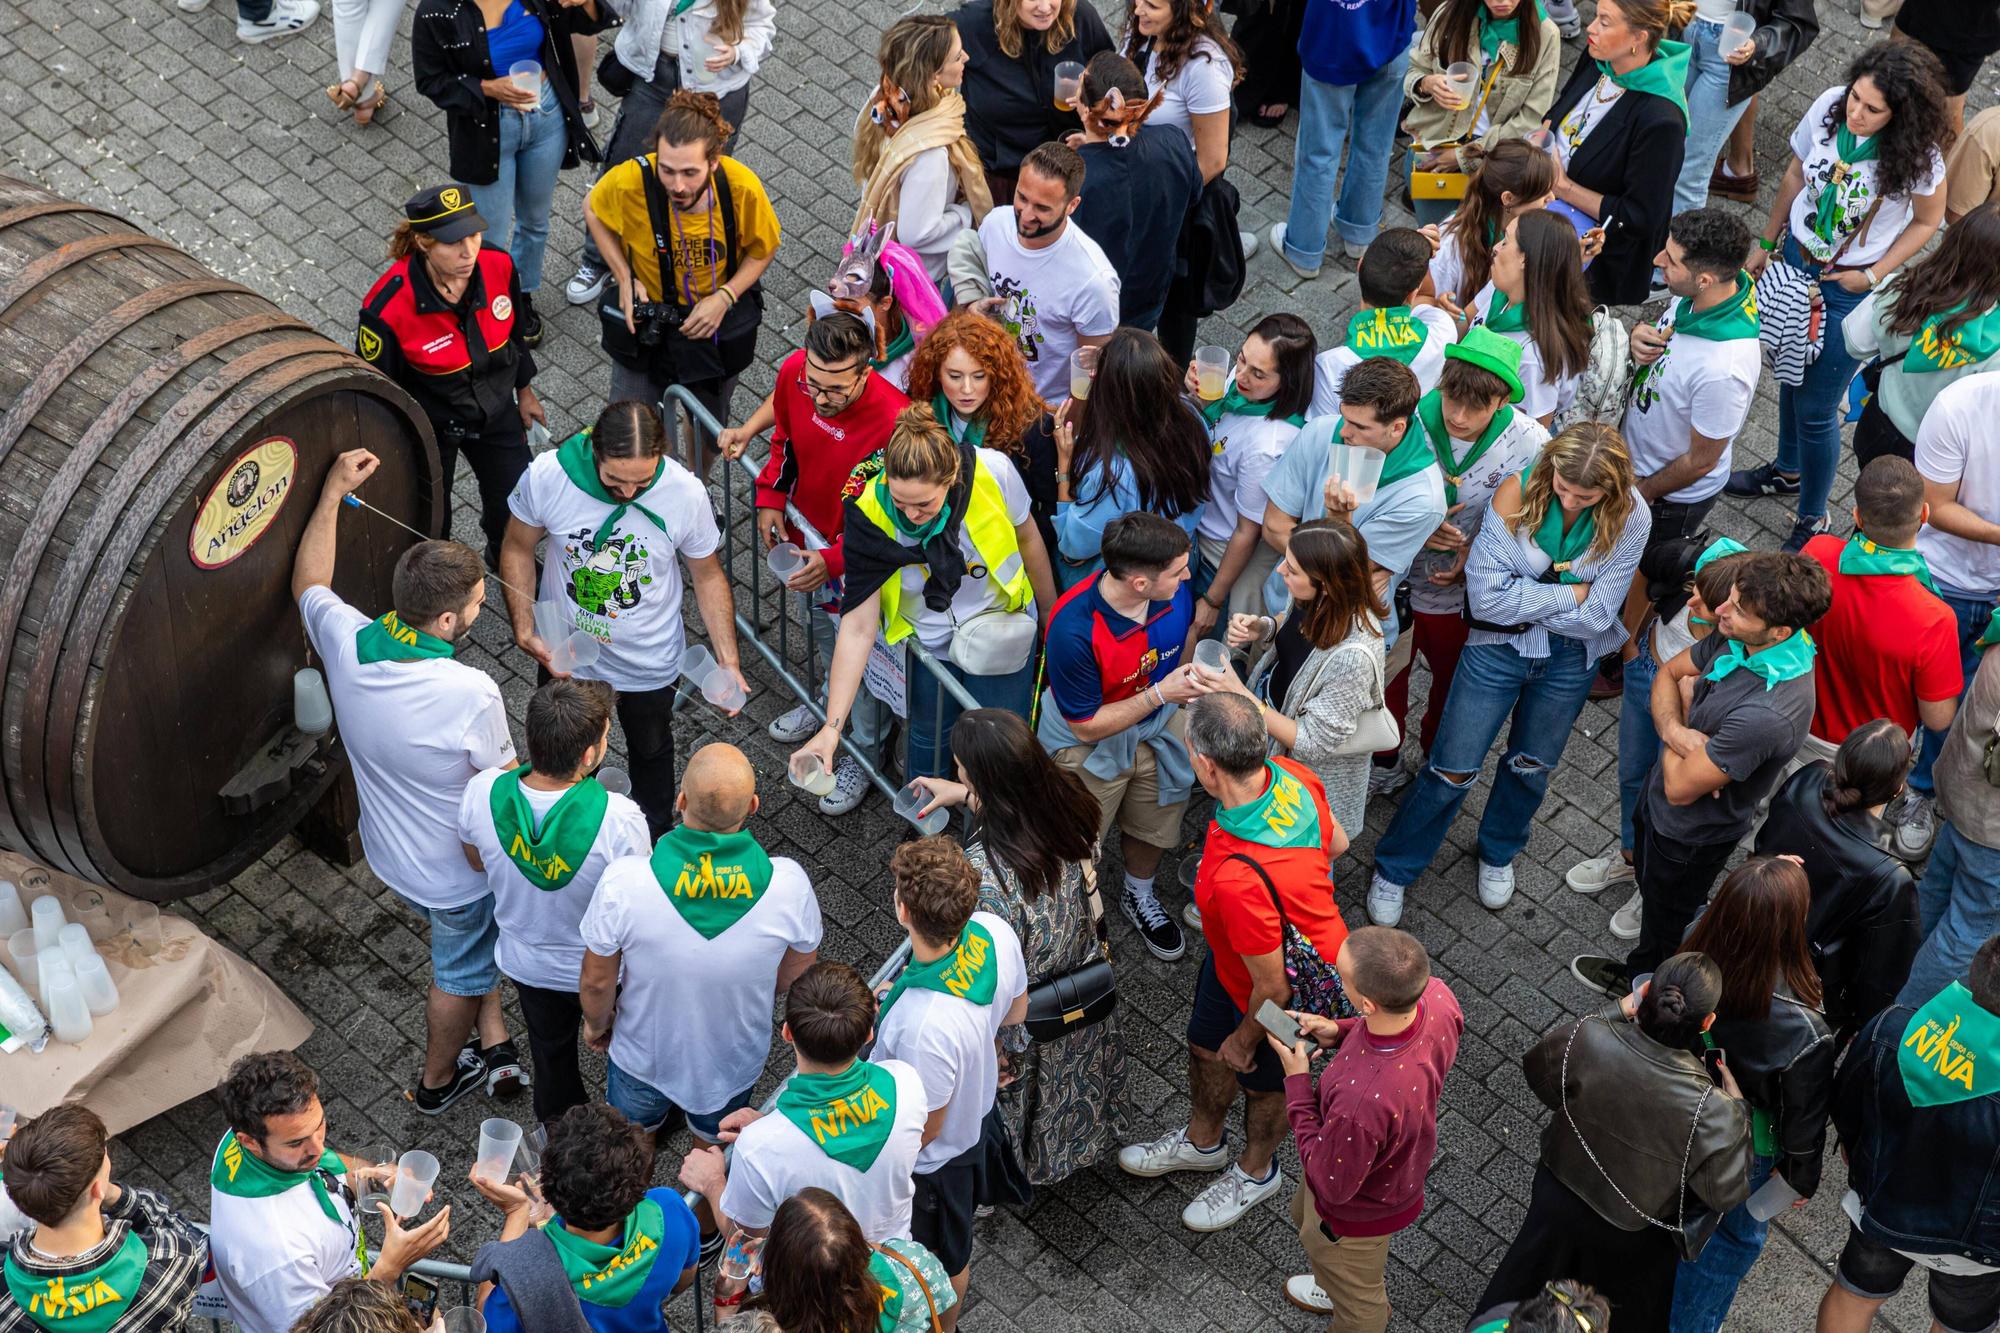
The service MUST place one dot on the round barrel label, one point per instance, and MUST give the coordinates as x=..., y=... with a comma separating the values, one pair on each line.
x=244, y=503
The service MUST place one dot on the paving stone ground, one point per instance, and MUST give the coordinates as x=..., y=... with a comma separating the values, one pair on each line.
x=235, y=154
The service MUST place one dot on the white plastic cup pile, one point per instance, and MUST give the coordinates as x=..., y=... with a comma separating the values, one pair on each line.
x=809, y=774
x=47, y=915
x=1360, y=467
x=415, y=1172
x=498, y=1141
x=100, y=992
x=55, y=967
x=74, y=940
x=913, y=798
x=13, y=916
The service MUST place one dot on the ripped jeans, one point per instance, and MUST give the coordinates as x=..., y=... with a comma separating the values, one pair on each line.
x=1543, y=696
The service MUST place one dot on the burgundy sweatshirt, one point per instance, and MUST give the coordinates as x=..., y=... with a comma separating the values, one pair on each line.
x=1367, y=1137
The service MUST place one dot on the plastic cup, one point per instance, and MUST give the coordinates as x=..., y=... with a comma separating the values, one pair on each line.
x=143, y=920
x=1212, y=656
x=615, y=779
x=720, y=688
x=55, y=967
x=1737, y=29
x=914, y=798
x=785, y=560
x=739, y=1259
x=573, y=653
x=372, y=1190
x=46, y=915
x=808, y=774
x=74, y=940
x=1774, y=1196
x=1082, y=369
x=88, y=908
x=1069, y=84
x=1211, y=372
x=312, y=707
x=1639, y=983
x=526, y=75
x=1190, y=871
x=68, y=1014
x=415, y=1173
x=1360, y=467
x=13, y=916
x=464, y=1319
x=696, y=663
x=1460, y=75
x=552, y=622
x=1544, y=139
x=100, y=992
x=22, y=954
x=498, y=1140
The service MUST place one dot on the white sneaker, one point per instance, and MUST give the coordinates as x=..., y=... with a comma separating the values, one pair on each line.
x=587, y=284
x=1625, y=921
x=1496, y=886
x=850, y=786
x=1164, y=1156
x=1221, y=1204
x=1249, y=239
x=192, y=6
x=1304, y=1292
x=1385, y=902
x=286, y=17
x=587, y=113
x=1388, y=781
x=1192, y=915
x=1277, y=235
x=791, y=728
x=1599, y=873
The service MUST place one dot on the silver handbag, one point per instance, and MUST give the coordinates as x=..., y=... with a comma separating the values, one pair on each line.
x=1377, y=728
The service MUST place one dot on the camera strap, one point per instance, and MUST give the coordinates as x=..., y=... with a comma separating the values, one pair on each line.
x=659, y=212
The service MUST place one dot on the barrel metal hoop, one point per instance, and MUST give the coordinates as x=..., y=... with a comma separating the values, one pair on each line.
x=70, y=255
x=27, y=212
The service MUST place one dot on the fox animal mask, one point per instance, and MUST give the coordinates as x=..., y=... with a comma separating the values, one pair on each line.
x=1118, y=118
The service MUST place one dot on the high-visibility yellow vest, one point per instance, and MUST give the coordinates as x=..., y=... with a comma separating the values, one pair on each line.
x=986, y=522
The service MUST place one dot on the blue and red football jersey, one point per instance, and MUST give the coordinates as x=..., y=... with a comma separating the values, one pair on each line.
x=1096, y=656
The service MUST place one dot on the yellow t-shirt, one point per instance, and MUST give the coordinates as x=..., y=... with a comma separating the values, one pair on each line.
x=619, y=200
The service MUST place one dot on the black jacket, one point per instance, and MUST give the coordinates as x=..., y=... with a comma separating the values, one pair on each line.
x=1009, y=102
x=1785, y=28
x=449, y=57
x=1134, y=202
x=1863, y=921
x=1632, y=158
x=1784, y=1064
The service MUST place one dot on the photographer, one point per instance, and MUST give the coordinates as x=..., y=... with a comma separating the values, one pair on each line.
x=687, y=234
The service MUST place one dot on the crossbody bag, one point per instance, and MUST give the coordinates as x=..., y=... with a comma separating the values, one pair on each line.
x=1084, y=995
x=1448, y=184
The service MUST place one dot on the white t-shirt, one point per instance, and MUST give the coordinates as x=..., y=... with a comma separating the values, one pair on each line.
x=1520, y=441
x=775, y=1159
x=1696, y=386
x=1331, y=366
x=626, y=594
x=1242, y=450
x=539, y=943
x=1585, y=116
x=694, y=1014
x=416, y=732
x=1955, y=444
x=1200, y=88
x=1813, y=145
x=275, y=1257
x=950, y=1041
x=1539, y=397
x=935, y=628
x=1054, y=298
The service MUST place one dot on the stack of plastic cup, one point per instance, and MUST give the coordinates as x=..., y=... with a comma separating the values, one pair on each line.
x=1360, y=467
x=68, y=1012
x=716, y=683
x=46, y=914
x=498, y=1141
x=100, y=992
x=74, y=940
x=415, y=1173
x=55, y=966
x=913, y=798
x=13, y=916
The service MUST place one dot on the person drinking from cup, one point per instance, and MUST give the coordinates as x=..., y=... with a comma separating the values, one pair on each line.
x=621, y=518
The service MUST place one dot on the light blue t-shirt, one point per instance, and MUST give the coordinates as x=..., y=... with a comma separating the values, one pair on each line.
x=1080, y=524
x=1396, y=521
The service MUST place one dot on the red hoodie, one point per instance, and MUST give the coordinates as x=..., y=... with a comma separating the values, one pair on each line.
x=812, y=455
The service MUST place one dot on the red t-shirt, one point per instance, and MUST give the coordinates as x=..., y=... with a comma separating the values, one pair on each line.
x=812, y=456
x=1237, y=915
x=1884, y=644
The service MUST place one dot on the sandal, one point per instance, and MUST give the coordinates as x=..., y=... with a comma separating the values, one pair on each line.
x=338, y=94
x=1268, y=119
x=365, y=112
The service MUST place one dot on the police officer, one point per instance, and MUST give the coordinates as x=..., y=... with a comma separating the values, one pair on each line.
x=442, y=324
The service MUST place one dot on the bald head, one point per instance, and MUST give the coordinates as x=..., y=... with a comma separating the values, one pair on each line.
x=718, y=790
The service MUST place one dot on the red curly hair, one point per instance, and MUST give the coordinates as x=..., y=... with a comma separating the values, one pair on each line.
x=1013, y=406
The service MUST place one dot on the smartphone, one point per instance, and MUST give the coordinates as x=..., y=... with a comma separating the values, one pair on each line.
x=1713, y=1058
x=1278, y=1023
x=421, y=1295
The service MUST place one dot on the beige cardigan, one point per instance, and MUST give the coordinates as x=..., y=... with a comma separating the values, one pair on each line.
x=1519, y=101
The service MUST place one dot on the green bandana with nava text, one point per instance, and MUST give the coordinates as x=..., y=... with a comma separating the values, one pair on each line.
x=1970, y=343
x=548, y=860
x=1564, y=546
x=1786, y=660
x=579, y=464
x=967, y=970
x=91, y=1300
x=883, y=1270
x=611, y=1275
x=1284, y=816
x=1862, y=556
x=712, y=879
x=242, y=1174
x=1390, y=331
x=849, y=1114
x=1430, y=418
x=390, y=640
x=1950, y=1049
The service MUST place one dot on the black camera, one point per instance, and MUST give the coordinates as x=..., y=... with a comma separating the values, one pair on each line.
x=653, y=320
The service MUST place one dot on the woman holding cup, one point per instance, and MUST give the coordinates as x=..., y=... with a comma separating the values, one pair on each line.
x=1013, y=48
x=1512, y=52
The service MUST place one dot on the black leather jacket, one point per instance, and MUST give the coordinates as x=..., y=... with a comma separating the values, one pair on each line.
x=1785, y=28
x=1634, y=1102
x=1863, y=921
x=1784, y=1064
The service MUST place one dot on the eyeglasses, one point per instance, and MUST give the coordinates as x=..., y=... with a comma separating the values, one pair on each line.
x=818, y=392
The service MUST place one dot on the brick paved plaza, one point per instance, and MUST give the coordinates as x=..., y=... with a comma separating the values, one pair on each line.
x=234, y=153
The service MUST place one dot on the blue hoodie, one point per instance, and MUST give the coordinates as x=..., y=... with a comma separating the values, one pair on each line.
x=1342, y=42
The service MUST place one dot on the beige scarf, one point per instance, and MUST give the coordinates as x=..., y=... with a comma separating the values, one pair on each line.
x=943, y=126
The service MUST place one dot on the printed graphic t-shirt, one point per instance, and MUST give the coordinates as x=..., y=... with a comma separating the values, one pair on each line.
x=1053, y=298
x=696, y=238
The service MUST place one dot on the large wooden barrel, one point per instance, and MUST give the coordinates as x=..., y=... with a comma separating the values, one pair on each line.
x=164, y=434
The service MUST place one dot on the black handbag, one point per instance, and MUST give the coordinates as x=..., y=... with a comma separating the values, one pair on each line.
x=1086, y=994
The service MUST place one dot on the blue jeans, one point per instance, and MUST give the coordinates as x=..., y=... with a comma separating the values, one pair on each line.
x=516, y=205
x=1958, y=909
x=1710, y=117
x=1326, y=115
x=1543, y=696
x=933, y=710
x=1809, y=413
x=1638, y=740
x=1704, y=1289
x=647, y=1107
x=1972, y=613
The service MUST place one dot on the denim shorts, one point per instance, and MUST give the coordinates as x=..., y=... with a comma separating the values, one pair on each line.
x=646, y=1106
x=462, y=940
x=1873, y=1271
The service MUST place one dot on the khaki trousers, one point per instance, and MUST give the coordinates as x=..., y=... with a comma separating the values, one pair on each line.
x=1348, y=1270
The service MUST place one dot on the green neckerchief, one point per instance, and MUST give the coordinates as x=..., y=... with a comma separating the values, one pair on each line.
x=242, y=1174
x=1949, y=1048
x=967, y=970
x=1563, y=546
x=1991, y=635
x=1724, y=321
x=1390, y=331
x=889, y=1277
x=1407, y=459
x=712, y=879
x=1235, y=404
x=1786, y=660
x=1862, y=556
x=901, y=345
x=849, y=1114
x=579, y=464
x=1665, y=75
x=919, y=535
x=1492, y=32
x=1430, y=415
x=681, y=7
x=1493, y=1326
x=1503, y=317
x=1849, y=149
x=611, y=1275
x=1715, y=550
x=390, y=640
x=1970, y=343
x=90, y=1301
x=569, y=830
x=1284, y=816
x=974, y=433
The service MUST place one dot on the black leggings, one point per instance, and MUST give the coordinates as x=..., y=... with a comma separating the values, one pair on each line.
x=498, y=459
x=553, y=1018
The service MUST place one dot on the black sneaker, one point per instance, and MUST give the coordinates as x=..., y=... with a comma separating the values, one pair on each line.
x=1155, y=927
x=1804, y=531
x=530, y=322
x=1765, y=480
x=469, y=1074
x=505, y=1074
x=1603, y=974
